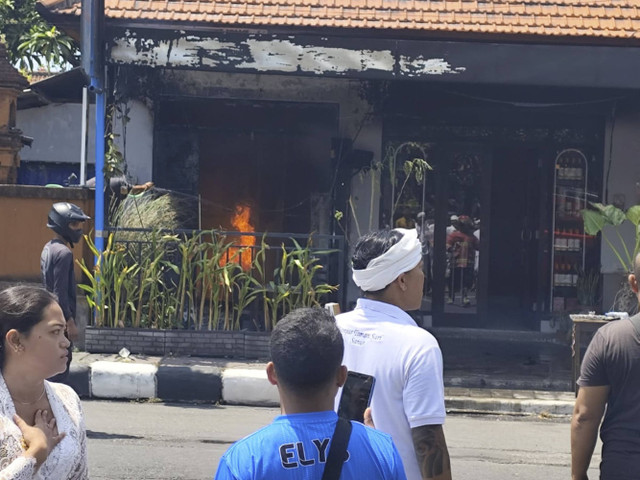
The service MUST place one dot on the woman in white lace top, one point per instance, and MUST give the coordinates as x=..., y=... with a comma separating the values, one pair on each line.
x=42, y=432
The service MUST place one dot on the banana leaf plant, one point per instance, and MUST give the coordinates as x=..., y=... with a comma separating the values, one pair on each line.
x=600, y=216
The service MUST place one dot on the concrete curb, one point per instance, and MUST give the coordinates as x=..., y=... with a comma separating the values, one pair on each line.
x=213, y=381
x=248, y=387
x=176, y=381
x=509, y=406
x=123, y=380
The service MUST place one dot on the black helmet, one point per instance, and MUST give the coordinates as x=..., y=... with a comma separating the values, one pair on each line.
x=61, y=215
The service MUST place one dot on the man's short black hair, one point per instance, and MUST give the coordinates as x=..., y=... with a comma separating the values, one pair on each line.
x=306, y=349
x=372, y=245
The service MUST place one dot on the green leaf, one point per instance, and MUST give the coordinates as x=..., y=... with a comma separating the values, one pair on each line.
x=633, y=214
x=593, y=221
x=612, y=215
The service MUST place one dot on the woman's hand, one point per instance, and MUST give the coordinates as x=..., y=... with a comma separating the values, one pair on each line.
x=39, y=439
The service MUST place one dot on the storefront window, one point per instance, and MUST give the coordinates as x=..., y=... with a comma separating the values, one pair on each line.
x=412, y=191
x=463, y=233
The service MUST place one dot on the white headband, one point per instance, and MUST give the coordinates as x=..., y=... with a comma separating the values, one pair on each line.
x=400, y=258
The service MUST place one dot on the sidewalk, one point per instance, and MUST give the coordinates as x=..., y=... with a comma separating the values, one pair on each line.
x=485, y=372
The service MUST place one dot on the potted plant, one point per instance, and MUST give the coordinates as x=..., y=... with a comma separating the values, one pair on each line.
x=595, y=220
x=588, y=290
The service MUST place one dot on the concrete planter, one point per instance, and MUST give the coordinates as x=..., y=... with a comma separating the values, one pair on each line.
x=204, y=343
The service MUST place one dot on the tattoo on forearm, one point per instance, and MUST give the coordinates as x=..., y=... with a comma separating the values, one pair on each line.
x=431, y=451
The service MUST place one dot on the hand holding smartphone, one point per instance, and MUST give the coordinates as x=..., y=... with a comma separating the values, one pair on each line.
x=356, y=396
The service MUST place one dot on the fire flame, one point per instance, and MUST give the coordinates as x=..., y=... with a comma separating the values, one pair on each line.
x=241, y=221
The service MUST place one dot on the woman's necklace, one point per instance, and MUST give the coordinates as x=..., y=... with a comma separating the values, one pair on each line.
x=30, y=403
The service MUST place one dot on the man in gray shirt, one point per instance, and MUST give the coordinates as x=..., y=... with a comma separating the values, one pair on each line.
x=56, y=264
x=610, y=377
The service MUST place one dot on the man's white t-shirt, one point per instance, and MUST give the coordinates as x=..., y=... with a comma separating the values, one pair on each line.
x=382, y=340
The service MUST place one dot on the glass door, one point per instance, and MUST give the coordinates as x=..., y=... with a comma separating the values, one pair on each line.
x=459, y=248
x=439, y=190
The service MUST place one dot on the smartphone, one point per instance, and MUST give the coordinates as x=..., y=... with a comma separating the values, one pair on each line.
x=356, y=396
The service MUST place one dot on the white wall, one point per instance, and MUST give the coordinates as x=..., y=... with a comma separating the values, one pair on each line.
x=56, y=131
x=135, y=140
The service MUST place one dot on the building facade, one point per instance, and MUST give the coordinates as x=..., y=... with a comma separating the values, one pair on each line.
x=500, y=121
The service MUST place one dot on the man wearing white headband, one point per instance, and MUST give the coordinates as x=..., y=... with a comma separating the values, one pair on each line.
x=382, y=340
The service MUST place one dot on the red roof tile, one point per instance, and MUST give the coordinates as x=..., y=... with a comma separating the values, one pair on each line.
x=600, y=18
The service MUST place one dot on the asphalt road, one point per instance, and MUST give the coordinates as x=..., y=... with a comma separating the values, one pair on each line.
x=130, y=440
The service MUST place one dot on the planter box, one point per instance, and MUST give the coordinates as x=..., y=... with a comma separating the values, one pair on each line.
x=202, y=343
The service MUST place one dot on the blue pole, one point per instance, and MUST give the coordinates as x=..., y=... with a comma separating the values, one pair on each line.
x=93, y=64
x=99, y=160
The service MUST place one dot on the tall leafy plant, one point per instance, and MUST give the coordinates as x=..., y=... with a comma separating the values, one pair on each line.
x=600, y=216
x=176, y=281
x=596, y=220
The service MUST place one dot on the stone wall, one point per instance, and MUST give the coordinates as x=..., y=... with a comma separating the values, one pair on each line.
x=247, y=345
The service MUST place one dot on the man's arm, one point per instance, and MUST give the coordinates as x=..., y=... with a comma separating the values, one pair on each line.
x=61, y=270
x=587, y=414
x=431, y=452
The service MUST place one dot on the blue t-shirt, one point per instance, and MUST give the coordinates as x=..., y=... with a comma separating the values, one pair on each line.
x=296, y=447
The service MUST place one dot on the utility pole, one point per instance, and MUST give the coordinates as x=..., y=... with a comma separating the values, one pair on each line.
x=93, y=65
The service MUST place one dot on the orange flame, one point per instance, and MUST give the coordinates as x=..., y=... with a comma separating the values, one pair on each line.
x=241, y=221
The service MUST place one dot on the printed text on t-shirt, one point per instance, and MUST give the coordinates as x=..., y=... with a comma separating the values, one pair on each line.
x=293, y=455
x=358, y=337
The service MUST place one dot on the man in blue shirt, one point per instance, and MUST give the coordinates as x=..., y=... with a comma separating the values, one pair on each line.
x=306, y=352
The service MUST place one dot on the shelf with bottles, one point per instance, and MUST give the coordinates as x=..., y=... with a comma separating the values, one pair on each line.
x=565, y=272
x=570, y=167
x=569, y=204
x=568, y=240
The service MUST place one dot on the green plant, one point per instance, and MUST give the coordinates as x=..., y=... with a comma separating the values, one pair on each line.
x=416, y=167
x=294, y=283
x=247, y=290
x=595, y=221
x=174, y=281
x=587, y=287
x=600, y=216
x=31, y=41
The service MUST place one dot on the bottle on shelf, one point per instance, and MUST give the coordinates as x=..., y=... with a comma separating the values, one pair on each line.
x=560, y=282
x=571, y=168
x=562, y=171
x=574, y=274
x=574, y=240
x=562, y=240
x=580, y=170
x=568, y=206
x=577, y=205
x=576, y=167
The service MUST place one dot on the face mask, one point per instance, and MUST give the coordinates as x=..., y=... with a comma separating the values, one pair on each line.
x=75, y=235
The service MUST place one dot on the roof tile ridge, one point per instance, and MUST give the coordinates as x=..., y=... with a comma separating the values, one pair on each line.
x=56, y=4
